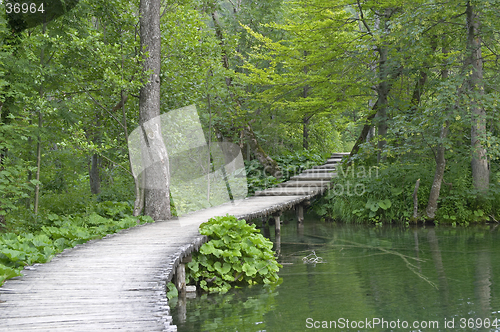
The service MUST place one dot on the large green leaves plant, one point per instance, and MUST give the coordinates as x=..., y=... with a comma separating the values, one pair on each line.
x=60, y=232
x=237, y=254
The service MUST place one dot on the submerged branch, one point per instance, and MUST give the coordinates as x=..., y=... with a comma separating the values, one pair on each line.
x=413, y=268
x=405, y=258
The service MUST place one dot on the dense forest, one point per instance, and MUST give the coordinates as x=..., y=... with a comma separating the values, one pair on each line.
x=410, y=88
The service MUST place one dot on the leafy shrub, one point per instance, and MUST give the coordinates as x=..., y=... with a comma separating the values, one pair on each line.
x=13, y=173
x=113, y=210
x=74, y=201
x=121, y=189
x=373, y=194
x=235, y=255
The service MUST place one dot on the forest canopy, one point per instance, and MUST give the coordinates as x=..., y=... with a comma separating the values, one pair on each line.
x=411, y=87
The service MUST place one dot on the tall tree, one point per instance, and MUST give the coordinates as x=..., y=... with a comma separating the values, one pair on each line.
x=157, y=176
x=270, y=165
x=480, y=167
x=432, y=203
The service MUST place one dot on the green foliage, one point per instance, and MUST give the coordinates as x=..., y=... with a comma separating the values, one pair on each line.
x=172, y=291
x=117, y=187
x=257, y=178
x=370, y=194
x=235, y=255
x=385, y=195
x=13, y=172
x=294, y=163
x=74, y=201
x=113, y=210
x=303, y=73
x=54, y=233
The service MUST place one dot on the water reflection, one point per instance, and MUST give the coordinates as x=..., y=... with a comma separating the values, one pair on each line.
x=422, y=275
x=238, y=310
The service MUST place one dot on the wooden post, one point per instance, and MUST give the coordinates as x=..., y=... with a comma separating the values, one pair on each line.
x=277, y=222
x=278, y=244
x=300, y=213
x=266, y=231
x=180, y=275
x=182, y=309
x=180, y=278
x=300, y=229
x=415, y=201
x=277, y=237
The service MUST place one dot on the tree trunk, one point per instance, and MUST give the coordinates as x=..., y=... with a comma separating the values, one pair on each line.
x=438, y=175
x=479, y=164
x=415, y=201
x=307, y=117
x=418, y=91
x=38, y=163
x=383, y=92
x=364, y=133
x=95, y=161
x=2, y=217
x=432, y=204
x=95, y=182
x=305, y=132
x=139, y=189
x=157, y=176
x=376, y=111
x=39, y=141
x=379, y=108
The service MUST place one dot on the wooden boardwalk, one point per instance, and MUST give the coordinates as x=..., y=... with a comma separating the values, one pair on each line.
x=118, y=283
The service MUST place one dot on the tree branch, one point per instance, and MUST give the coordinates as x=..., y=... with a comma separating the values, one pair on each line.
x=100, y=154
x=362, y=16
x=117, y=106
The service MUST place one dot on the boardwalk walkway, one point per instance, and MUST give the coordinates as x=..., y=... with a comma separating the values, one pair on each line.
x=118, y=283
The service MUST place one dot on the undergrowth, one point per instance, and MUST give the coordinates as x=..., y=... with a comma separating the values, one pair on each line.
x=36, y=239
x=383, y=194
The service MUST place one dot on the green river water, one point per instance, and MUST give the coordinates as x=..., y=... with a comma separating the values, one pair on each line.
x=366, y=278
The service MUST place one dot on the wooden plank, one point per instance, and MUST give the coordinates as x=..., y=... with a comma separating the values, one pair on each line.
x=326, y=166
x=296, y=183
x=318, y=171
x=309, y=177
x=290, y=191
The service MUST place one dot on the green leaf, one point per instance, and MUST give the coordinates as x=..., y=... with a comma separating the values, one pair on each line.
x=193, y=266
x=7, y=272
x=172, y=291
x=13, y=255
x=385, y=204
x=249, y=269
x=226, y=268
